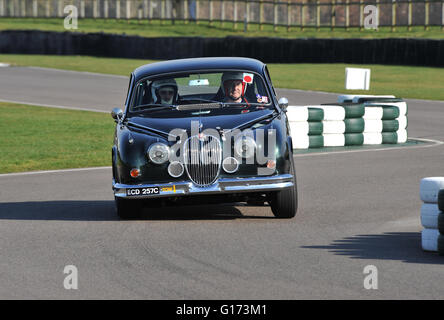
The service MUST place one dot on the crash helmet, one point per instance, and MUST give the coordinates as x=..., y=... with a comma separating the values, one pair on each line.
x=164, y=91
x=228, y=77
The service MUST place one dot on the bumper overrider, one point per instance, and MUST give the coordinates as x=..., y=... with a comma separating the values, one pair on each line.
x=221, y=186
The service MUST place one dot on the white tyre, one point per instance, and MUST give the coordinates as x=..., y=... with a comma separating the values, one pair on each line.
x=333, y=127
x=402, y=121
x=297, y=113
x=373, y=126
x=373, y=113
x=402, y=105
x=429, y=239
x=332, y=112
x=372, y=138
x=402, y=136
x=299, y=128
x=429, y=215
x=429, y=189
x=334, y=140
x=300, y=141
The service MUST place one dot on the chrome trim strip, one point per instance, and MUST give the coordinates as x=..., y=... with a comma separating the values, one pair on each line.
x=223, y=185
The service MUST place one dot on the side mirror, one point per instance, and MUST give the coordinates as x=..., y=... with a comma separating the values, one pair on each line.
x=283, y=104
x=117, y=114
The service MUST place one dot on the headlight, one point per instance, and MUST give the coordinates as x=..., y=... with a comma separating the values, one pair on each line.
x=245, y=147
x=158, y=153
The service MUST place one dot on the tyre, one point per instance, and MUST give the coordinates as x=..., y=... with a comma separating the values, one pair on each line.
x=353, y=110
x=356, y=125
x=354, y=139
x=429, y=239
x=284, y=204
x=316, y=141
x=441, y=200
x=389, y=137
x=315, y=114
x=429, y=189
x=390, y=113
x=441, y=223
x=315, y=128
x=390, y=125
x=127, y=209
x=429, y=215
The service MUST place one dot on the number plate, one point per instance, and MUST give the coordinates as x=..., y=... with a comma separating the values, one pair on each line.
x=142, y=191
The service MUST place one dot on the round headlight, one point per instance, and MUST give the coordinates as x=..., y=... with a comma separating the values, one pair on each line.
x=158, y=153
x=245, y=147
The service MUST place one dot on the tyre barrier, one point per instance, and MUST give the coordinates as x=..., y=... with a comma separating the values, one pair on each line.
x=353, y=120
x=431, y=192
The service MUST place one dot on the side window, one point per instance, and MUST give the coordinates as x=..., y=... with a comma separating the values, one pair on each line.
x=129, y=89
x=269, y=79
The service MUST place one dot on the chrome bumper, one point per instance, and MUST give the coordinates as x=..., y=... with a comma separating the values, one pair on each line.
x=256, y=184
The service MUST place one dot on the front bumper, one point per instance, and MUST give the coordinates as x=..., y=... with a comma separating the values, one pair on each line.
x=222, y=186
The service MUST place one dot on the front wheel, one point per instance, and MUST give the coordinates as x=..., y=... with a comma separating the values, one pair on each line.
x=127, y=209
x=284, y=204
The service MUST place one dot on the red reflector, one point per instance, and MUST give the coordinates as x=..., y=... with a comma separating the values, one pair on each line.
x=135, y=173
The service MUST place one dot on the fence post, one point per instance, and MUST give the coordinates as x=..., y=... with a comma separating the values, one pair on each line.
x=275, y=14
x=117, y=9
x=377, y=13
x=288, y=15
x=347, y=14
x=442, y=15
x=162, y=11
x=23, y=8
x=393, y=15
x=211, y=11
x=34, y=8
x=222, y=13
x=261, y=14
x=333, y=15
x=318, y=16
x=185, y=11
x=128, y=10
x=2, y=8
x=410, y=16
x=150, y=11
x=247, y=14
x=361, y=15
x=427, y=15
x=96, y=9
x=235, y=14
x=302, y=15
x=105, y=9
x=48, y=9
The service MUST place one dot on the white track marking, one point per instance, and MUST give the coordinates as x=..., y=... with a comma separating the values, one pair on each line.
x=435, y=144
x=52, y=171
x=80, y=72
x=53, y=106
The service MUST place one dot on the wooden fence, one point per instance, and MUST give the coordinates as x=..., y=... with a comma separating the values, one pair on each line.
x=278, y=13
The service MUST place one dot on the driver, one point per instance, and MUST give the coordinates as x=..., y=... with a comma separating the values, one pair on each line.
x=165, y=91
x=233, y=87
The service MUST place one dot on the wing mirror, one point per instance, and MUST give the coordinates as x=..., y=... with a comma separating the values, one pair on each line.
x=283, y=104
x=117, y=114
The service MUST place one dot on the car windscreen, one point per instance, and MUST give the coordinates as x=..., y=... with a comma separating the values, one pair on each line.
x=230, y=87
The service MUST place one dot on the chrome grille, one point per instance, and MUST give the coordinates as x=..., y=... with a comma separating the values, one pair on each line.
x=202, y=158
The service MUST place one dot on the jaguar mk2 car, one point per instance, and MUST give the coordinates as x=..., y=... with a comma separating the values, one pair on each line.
x=205, y=130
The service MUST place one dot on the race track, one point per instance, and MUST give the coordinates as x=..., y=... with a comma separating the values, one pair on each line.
x=356, y=209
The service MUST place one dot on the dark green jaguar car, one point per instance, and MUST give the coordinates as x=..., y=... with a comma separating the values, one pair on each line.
x=199, y=131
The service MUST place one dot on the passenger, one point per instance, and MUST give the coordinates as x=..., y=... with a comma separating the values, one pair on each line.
x=165, y=91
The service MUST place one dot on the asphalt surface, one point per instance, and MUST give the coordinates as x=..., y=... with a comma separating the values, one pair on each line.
x=356, y=209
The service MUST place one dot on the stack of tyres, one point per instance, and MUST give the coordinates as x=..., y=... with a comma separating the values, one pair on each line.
x=386, y=121
x=306, y=126
x=432, y=216
x=343, y=124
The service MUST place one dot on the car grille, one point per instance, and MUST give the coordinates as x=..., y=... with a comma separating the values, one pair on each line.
x=202, y=158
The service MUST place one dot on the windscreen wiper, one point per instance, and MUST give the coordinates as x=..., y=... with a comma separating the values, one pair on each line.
x=153, y=107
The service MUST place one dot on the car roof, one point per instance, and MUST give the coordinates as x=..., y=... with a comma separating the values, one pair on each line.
x=197, y=64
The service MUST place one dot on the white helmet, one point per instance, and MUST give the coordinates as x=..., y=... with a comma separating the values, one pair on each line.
x=156, y=87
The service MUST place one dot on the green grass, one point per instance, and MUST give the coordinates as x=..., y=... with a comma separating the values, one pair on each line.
x=38, y=138
x=204, y=29
x=402, y=81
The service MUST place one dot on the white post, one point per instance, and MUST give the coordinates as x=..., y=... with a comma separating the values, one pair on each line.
x=2, y=8
x=95, y=8
x=128, y=9
x=23, y=8
x=35, y=11
x=145, y=9
x=118, y=9
x=82, y=9
x=105, y=9
x=48, y=9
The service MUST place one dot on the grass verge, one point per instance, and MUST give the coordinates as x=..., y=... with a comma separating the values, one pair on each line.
x=157, y=28
x=38, y=138
x=402, y=81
